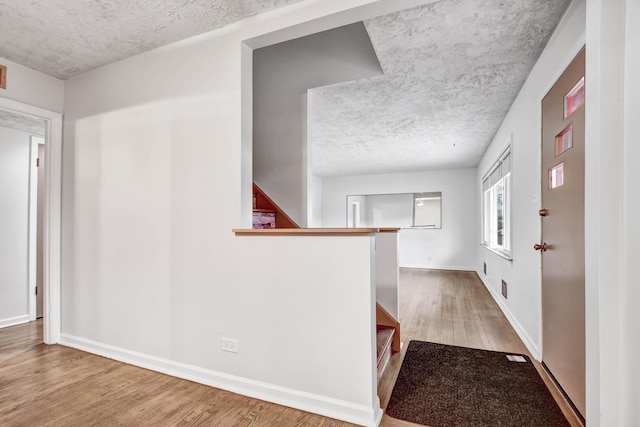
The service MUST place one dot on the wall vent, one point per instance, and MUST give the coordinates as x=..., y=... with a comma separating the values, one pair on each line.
x=504, y=289
x=3, y=77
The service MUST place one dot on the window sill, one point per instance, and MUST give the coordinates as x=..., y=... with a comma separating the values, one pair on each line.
x=504, y=255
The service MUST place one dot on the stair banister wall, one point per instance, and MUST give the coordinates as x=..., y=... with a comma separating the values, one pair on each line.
x=387, y=273
x=315, y=292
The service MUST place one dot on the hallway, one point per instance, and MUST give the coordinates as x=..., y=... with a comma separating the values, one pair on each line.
x=55, y=385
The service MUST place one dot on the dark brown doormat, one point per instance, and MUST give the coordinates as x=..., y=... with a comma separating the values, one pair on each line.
x=446, y=386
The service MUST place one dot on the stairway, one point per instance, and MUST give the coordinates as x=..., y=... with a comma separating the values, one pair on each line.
x=387, y=336
x=267, y=214
x=384, y=338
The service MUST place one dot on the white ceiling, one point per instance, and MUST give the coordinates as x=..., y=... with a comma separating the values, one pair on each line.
x=451, y=71
x=63, y=38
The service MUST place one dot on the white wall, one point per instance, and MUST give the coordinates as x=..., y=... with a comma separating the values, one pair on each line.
x=282, y=74
x=152, y=274
x=452, y=247
x=14, y=226
x=32, y=87
x=429, y=213
x=630, y=315
x=314, y=198
x=387, y=273
x=521, y=128
x=389, y=210
x=354, y=219
x=611, y=212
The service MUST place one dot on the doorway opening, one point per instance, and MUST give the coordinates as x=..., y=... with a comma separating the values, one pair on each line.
x=21, y=158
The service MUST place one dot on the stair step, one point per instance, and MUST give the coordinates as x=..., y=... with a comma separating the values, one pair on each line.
x=384, y=337
x=264, y=218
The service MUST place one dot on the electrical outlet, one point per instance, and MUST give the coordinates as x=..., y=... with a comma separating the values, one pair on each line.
x=504, y=289
x=228, y=344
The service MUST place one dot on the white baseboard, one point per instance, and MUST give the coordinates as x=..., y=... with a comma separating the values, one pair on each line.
x=378, y=417
x=438, y=267
x=12, y=321
x=322, y=405
x=524, y=336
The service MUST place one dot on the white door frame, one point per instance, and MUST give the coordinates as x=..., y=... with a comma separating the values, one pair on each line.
x=52, y=213
x=33, y=222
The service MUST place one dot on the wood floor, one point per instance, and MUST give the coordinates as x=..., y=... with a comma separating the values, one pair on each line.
x=452, y=307
x=44, y=385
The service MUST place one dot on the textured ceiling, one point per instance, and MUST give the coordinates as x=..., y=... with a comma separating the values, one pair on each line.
x=22, y=123
x=67, y=37
x=451, y=71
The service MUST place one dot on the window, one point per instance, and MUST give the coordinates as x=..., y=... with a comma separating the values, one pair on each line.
x=496, y=209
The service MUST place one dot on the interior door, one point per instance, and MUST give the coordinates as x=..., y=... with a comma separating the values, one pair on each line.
x=40, y=233
x=562, y=246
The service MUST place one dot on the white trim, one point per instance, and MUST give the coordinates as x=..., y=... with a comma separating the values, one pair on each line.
x=12, y=321
x=333, y=408
x=52, y=210
x=378, y=415
x=526, y=339
x=32, y=226
x=52, y=230
x=439, y=267
x=504, y=255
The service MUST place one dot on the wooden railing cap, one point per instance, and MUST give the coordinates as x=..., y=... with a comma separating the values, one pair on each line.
x=312, y=231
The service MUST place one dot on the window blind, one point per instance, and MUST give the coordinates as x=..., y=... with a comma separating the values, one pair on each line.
x=498, y=170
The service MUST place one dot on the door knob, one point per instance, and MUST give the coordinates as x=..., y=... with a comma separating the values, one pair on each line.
x=542, y=212
x=542, y=247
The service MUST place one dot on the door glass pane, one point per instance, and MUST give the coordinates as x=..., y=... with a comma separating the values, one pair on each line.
x=564, y=140
x=574, y=99
x=556, y=176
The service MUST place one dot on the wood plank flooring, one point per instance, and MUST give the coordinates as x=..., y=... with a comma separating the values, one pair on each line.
x=59, y=386
x=44, y=385
x=452, y=307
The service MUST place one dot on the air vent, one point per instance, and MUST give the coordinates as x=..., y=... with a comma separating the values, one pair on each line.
x=504, y=289
x=3, y=77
